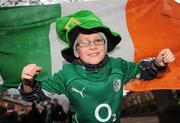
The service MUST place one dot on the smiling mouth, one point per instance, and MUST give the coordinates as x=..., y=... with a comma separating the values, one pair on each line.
x=93, y=54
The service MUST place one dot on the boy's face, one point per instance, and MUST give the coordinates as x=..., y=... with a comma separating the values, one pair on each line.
x=90, y=48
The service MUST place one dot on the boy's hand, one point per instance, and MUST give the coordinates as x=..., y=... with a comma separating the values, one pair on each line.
x=164, y=57
x=29, y=72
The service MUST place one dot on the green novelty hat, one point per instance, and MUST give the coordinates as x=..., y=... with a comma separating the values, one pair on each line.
x=69, y=27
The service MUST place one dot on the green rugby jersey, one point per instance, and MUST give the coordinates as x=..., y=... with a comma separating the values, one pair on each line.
x=95, y=96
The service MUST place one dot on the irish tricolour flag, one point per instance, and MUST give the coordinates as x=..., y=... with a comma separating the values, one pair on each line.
x=27, y=35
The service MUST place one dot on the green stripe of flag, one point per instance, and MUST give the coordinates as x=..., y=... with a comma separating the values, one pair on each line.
x=24, y=39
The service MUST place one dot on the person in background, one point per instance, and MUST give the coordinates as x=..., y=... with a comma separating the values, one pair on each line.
x=58, y=114
x=34, y=115
x=2, y=111
x=167, y=106
x=46, y=114
x=92, y=80
x=10, y=116
x=23, y=113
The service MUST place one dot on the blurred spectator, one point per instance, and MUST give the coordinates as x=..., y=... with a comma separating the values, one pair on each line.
x=34, y=115
x=46, y=114
x=10, y=116
x=69, y=115
x=58, y=114
x=168, y=107
x=23, y=114
x=2, y=111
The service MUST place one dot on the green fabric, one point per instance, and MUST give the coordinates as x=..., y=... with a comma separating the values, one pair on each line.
x=24, y=39
x=98, y=94
x=84, y=19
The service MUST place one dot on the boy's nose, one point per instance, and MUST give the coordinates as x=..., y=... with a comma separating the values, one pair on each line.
x=92, y=44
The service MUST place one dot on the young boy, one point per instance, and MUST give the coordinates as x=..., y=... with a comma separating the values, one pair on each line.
x=93, y=82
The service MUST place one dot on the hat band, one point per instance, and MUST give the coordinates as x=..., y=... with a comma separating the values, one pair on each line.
x=72, y=23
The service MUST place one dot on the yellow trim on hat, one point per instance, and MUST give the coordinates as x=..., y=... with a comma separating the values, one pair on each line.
x=72, y=21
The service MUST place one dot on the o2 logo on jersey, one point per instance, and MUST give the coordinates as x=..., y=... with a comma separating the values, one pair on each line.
x=109, y=112
x=117, y=85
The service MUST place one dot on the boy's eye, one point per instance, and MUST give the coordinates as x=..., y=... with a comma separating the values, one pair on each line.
x=84, y=43
x=99, y=41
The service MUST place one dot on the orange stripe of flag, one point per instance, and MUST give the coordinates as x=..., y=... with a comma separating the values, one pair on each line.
x=154, y=25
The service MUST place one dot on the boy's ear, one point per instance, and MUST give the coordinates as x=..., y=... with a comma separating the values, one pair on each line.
x=76, y=54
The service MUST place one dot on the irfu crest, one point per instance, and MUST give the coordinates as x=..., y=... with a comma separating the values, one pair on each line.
x=117, y=85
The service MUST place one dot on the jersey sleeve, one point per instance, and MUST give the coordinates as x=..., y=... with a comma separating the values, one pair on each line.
x=130, y=70
x=53, y=85
x=145, y=69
